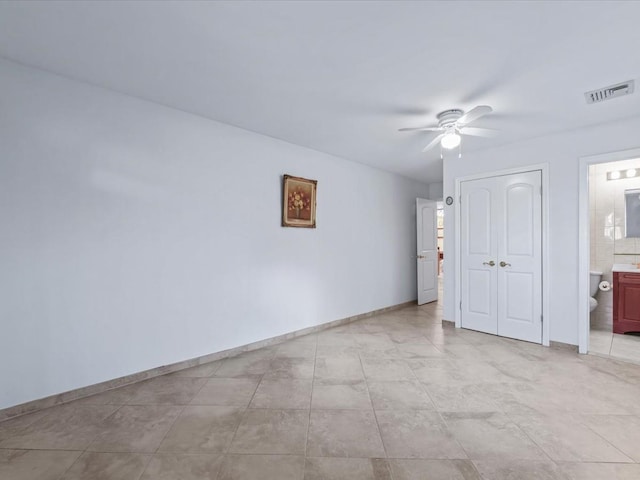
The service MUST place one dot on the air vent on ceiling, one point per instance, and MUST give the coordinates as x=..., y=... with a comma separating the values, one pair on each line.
x=606, y=93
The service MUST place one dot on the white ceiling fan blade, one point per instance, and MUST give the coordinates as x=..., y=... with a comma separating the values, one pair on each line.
x=433, y=142
x=479, y=132
x=424, y=129
x=474, y=114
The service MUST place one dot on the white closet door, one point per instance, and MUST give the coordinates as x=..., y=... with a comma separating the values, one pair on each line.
x=479, y=254
x=501, y=257
x=520, y=258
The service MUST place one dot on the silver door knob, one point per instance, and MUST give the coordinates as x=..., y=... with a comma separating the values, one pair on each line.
x=491, y=263
x=505, y=264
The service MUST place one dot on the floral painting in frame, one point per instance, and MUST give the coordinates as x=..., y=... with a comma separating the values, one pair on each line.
x=299, y=202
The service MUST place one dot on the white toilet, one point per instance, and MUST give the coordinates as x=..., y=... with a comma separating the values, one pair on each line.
x=594, y=281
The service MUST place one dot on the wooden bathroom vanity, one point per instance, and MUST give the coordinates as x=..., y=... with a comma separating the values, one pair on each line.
x=626, y=299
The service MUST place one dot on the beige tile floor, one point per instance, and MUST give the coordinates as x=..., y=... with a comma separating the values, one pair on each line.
x=623, y=347
x=396, y=396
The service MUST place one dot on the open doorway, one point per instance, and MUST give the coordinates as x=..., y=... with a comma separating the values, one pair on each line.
x=440, y=229
x=614, y=259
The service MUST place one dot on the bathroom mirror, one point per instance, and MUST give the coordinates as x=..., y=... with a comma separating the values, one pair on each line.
x=632, y=213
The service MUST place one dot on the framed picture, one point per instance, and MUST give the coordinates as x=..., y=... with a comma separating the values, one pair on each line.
x=299, y=202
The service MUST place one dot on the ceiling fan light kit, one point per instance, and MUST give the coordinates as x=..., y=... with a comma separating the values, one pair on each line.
x=452, y=124
x=450, y=140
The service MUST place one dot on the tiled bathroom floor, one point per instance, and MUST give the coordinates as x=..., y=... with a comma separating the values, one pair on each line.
x=623, y=347
x=396, y=396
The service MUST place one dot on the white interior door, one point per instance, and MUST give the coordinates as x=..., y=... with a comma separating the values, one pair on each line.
x=479, y=255
x=427, y=257
x=501, y=258
x=520, y=257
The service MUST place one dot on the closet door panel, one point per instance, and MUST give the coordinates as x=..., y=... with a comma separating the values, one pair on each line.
x=479, y=246
x=520, y=258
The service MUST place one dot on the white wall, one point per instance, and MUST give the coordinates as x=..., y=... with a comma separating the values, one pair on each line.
x=133, y=236
x=561, y=152
x=435, y=191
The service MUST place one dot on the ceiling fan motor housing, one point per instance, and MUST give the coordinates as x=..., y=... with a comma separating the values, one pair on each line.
x=448, y=118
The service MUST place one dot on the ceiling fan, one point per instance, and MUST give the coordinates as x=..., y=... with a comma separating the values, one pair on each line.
x=452, y=124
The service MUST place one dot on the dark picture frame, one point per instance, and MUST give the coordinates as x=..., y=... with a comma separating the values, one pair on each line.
x=299, y=202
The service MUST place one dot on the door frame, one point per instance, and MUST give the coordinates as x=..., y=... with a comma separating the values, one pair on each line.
x=544, y=169
x=584, y=240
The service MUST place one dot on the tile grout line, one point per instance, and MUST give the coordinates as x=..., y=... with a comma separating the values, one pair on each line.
x=456, y=440
x=421, y=384
x=226, y=452
x=633, y=460
x=423, y=387
x=170, y=428
x=520, y=429
x=313, y=382
x=244, y=412
x=375, y=416
x=610, y=345
x=85, y=450
x=155, y=452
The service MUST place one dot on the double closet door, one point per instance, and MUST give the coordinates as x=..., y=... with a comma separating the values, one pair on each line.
x=501, y=255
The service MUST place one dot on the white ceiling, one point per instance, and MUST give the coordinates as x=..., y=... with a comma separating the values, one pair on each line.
x=342, y=77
